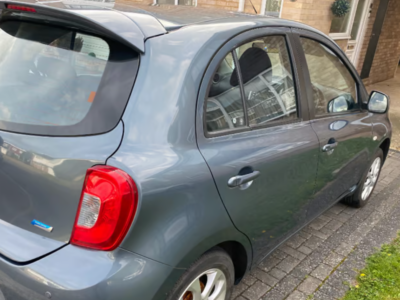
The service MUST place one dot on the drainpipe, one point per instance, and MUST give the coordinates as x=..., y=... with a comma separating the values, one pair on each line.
x=241, y=5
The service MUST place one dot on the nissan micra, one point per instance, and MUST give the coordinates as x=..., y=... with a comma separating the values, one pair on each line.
x=160, y=153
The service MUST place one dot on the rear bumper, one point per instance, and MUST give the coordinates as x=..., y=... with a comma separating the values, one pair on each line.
x=77, y=273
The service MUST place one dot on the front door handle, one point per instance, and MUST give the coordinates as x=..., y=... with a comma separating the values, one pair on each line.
x=332, y=144
x=240, y=180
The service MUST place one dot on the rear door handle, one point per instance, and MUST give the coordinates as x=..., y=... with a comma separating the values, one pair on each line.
x=330, y=146
x=243, y=179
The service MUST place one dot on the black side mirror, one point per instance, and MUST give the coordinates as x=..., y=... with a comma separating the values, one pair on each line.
x=378, y=102
x=339, y=104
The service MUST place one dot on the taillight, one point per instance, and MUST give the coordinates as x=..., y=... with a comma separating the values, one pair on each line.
x=106, y=210
x=20, y=7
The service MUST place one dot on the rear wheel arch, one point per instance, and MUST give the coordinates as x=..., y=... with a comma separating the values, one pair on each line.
x=239, y=257
x=385, y=146
x=239, y=250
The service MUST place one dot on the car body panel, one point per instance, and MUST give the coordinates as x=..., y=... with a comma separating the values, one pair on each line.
x=41, y=178
x=381, y=129
x=340, y=171
x=180, y=214
x=15, y=242
x=164, y=159
x=268, y=211
x=153, y=26
x=162, y=148
x=77, y=273
x=271, y=208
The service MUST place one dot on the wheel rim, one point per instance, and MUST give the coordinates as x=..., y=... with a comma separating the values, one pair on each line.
x=210, y=285
x=372, y=178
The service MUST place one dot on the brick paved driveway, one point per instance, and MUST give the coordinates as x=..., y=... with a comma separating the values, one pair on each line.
x=323, y=259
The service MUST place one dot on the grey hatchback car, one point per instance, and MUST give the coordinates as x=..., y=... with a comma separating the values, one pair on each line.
x=157, y=153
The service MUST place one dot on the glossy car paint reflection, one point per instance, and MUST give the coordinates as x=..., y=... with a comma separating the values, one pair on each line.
x=89, y=275
x=340, y=170
x=286, y=152
x=15, y=241
x=176, y=186
x=180, y=214
x=41, y=177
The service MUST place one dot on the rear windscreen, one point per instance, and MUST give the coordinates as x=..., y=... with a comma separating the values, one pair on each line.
x=58, y=81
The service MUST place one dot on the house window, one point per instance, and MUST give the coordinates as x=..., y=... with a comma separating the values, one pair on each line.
x=177, y=2
x=341, y=27
x=272, y=8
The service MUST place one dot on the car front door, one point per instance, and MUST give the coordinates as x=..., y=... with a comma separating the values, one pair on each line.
x=336, y=97
x=254, y=133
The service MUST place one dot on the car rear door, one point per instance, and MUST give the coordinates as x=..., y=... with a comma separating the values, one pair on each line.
x=254, y=133
x=336, y=99
x=62, y=95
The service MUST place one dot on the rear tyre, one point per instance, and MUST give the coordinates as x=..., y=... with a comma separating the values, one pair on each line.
x=368, y=183
x=210, y=277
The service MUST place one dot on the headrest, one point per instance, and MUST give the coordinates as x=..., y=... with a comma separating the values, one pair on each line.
x=253, y=62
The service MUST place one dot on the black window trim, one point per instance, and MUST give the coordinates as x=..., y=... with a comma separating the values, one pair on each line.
x=302, y=33
x=232, y=44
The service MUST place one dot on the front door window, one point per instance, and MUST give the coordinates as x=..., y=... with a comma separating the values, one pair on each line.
x=334, y=88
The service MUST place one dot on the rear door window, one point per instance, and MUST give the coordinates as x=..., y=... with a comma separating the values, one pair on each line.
x=268, y=81
x=224, y=104
x=52, y=77
x=252, y=87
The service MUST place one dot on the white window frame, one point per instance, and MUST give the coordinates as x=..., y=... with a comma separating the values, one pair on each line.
x=347, y=35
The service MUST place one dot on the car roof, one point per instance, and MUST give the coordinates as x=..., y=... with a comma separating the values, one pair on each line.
x=173, y=17
x=134, y=23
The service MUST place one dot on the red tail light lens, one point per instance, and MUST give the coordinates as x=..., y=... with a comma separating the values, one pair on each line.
x=107, y=207
x=19, y=7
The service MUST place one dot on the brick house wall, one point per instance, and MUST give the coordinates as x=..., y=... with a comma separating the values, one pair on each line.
x=248, y=7
x=232, y=5
x=342, y=44
x=127, y=2
x=315, y=13
x=387, y=55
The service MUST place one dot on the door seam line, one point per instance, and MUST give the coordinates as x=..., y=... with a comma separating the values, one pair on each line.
x=223, y=203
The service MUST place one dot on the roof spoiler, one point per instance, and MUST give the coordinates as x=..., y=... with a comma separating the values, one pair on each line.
x=106, y=22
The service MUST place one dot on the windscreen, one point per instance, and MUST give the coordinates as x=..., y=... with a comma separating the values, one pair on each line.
x=52, y=77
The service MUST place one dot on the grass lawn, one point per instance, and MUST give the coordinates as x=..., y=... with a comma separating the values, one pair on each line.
x=380, y=280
